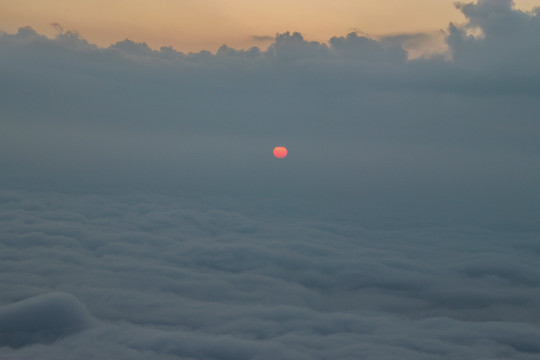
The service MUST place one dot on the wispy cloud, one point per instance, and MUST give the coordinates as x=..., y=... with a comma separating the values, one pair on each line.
x=59, y=29
x=262, y=38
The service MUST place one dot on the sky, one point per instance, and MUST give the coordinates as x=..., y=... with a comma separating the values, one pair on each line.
x=189, y=25
x=143, y=215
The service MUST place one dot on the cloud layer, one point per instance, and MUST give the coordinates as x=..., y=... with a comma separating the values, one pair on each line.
x=165, y=278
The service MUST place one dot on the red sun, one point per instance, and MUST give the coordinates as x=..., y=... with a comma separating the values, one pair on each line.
x=280, y=152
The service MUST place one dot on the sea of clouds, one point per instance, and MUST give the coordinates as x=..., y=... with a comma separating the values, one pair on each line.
x=157, y=277
x=142, y=215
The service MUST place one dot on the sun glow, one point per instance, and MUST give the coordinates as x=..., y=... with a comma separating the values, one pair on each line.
x=280, y=152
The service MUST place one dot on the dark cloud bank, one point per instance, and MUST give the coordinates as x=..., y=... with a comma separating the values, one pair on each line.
x=143, y=217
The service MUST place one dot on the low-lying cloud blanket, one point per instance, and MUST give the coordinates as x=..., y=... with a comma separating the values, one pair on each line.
x=161, y=277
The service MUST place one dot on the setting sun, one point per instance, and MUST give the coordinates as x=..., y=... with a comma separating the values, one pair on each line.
x=280, y=152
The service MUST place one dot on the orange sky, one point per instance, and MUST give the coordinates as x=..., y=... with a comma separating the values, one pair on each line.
x=192, y=25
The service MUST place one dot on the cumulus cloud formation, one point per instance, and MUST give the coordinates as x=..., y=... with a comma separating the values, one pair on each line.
x=143, y=216
x=504, y=44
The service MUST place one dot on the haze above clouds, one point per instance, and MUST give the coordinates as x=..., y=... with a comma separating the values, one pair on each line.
x=143, y=215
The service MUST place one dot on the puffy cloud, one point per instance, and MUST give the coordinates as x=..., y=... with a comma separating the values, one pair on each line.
x=421, y=45
x=44, y=318
x=366, y=49
x=503, y=48
x=131, y=47
x=288, y=48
